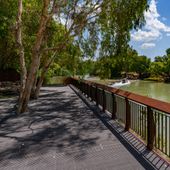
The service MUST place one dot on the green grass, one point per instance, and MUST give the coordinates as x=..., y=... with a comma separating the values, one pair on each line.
x=56, y=80
x=105, y=81
x=158, y=79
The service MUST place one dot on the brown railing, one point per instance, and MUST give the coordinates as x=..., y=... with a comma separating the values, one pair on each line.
x=148, y=118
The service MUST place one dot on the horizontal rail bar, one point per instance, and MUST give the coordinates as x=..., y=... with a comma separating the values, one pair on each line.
x=148, y=118
x=153, y=103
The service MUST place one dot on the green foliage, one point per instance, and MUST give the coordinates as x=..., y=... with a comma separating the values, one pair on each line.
x=168, y=52
x=156, y=68
x=86, y=67
x=109, y=31
x=103, y=67
x=116, y=20
x=161, y=66
x=141, y=64
x=8, y=54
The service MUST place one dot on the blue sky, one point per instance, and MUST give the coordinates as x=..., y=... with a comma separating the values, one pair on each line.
x=154, y=38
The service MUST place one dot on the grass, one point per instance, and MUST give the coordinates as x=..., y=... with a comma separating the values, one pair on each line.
x=57, y=80
x=158, y=79
x=104, y=81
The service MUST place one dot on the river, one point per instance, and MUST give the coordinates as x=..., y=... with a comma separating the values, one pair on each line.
x=156, y=90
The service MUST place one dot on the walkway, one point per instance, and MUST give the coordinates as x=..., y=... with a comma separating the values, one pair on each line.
x=60, y=132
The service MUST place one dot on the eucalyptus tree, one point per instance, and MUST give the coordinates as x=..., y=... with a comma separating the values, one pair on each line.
x=116, y=21
x=74, y=15
x=88, y=22
x=8, y=52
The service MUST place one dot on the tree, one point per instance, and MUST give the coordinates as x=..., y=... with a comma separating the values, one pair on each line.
x=156, y=68
x=168, y=51
x=45, y=17
x=21, y=49
x=78, y=19
x=158, y=59
x=116, y=21
x=161, y=66
x=8, y=54
x=76, y=16
x=141, y=65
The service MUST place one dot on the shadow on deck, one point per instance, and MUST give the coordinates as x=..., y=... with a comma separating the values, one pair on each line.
x=61, y=132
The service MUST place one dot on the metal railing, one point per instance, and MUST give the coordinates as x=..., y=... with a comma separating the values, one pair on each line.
x=148, y=118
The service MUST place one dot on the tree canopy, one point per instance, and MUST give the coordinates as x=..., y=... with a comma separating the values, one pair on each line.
x=39, y=34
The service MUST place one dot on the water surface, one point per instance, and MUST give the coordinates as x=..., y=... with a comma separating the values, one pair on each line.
x=156, y=90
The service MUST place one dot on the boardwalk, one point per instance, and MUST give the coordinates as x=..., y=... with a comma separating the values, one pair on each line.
x=61, y=132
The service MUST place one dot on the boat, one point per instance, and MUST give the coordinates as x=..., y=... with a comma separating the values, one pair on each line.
x=123, y=82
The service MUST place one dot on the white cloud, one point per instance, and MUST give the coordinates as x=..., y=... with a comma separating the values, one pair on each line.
x=154, y=27
x=147, y=45
x=146, y=36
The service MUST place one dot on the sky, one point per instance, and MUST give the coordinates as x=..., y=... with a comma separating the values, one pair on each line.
x=154, y=38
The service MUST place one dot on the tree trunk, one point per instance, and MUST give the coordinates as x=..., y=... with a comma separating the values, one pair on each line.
x=40, y=82
x=23, y=103
x=23, y=73
x=34, y=88
x=41, y=79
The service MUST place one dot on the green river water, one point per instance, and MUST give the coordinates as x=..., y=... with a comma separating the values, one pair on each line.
x=156, y=90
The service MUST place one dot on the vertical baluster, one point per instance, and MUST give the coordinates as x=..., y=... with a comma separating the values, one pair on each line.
x=82, y=87
x=169, y=136
x=96, y=96
x=104, y=100
x=151, y=128
x=91, y=96
x=145, y=123
x=128, y=119
x=114, y=106
x=140, y=121
x=158, y=130
x=162, y=132
x=166, y=136
x=87, y=90
x=155, y=118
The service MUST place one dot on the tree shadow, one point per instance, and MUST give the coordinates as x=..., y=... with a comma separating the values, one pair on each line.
x=148, y=159
x=58, y=121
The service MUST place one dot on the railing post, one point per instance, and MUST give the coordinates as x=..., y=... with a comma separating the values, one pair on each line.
x=114, y=107
x=128, y=115
x=88, y=89
x=151, y=128
x=91, y=97
x=96, y=96
x=104, y=100
x=85, y=89
x=82, y=86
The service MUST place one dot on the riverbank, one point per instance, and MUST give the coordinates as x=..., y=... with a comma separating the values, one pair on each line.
x=156, y=79
x=153, y=89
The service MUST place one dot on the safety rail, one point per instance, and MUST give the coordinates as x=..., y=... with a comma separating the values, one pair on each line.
x=148, y=118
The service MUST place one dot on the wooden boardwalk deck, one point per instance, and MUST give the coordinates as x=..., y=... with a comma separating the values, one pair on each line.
x=61, y=132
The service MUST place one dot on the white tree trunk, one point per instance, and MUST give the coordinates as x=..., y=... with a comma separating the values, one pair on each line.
x=23, y=73
x=35, y=57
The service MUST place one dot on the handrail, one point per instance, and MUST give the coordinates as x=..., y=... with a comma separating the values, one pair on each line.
x=154, y=103
x=149, y=118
